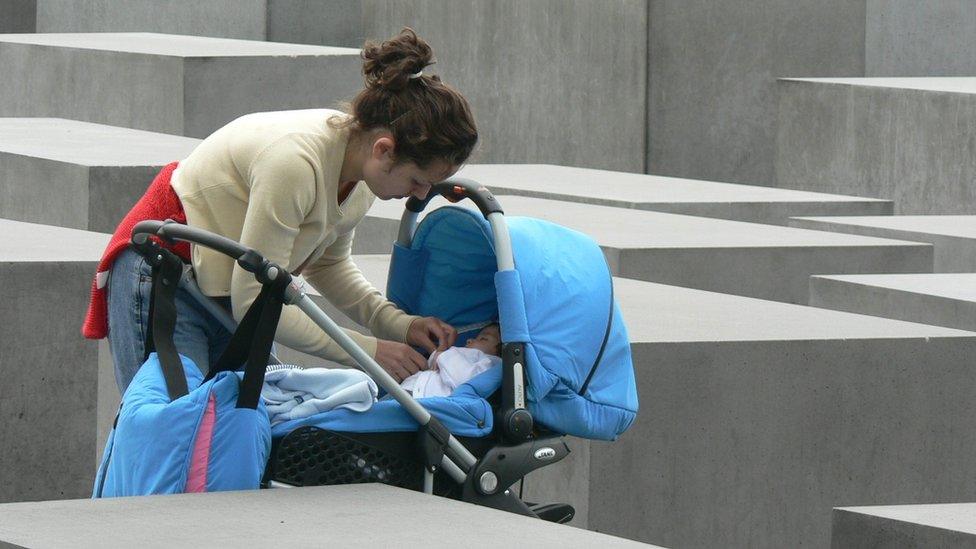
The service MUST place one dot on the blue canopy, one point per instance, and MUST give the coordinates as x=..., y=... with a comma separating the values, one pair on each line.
x=558, y=301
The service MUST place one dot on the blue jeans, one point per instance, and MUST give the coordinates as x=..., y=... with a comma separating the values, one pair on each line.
x=198, y=336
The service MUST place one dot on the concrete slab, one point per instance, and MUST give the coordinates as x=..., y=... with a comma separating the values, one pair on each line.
x=329, y=515
x=712, y=79
x=758, y=417
x=726, y=256
x=907, y=38
x=904, y=526
x=184, y=85
x=666, y=194
x=904, y=139
x=50, y=394
x=18, y=16
x=942, y=299
x=325, y=22
x=527, y=113
x=103, y=169
x=954, y=236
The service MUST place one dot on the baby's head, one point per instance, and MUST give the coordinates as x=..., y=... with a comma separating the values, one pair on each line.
x=488, y=340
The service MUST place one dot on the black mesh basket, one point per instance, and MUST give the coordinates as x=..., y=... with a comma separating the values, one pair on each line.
x=310, y=456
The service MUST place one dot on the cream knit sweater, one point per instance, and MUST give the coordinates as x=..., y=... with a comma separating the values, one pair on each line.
x=270, y=181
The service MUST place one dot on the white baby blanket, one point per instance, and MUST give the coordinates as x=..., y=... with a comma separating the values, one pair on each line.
x=291, y=392
x=448, y=370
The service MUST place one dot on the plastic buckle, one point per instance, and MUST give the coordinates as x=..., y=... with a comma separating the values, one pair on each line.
x=433, y=440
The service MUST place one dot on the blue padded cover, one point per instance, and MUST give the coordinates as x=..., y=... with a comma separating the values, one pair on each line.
x=557, y=301
x=149, y=450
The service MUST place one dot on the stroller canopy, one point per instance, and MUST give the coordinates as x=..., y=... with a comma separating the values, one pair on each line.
x=558, y=301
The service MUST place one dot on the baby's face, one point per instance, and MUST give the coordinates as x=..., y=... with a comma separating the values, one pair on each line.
x=486, y=341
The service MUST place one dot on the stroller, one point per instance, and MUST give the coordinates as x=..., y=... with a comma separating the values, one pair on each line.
x=566, y=365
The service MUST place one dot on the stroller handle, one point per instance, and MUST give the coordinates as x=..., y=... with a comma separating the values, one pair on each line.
x=455, y=190
x=171, y=231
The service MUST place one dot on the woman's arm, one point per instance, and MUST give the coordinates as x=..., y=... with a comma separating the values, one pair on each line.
x=282, y=192
x=337, y=278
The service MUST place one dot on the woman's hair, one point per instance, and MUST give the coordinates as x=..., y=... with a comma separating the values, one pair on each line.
x=429, y=120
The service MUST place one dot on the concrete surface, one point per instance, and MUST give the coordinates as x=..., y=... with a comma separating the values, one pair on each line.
x=749, y=259
x=551, y=81
x=909, y=38
x=758, y=417
x=18, y=16
x=904, y=526
x=943, y=299
x=329, y=515
x=324, y=22
x=665, y=194
x=953, y=236
x=48, y=400
x=738, y=395
x=104, y=170
x=184, y=85
x=903, y=139
x=712, y=68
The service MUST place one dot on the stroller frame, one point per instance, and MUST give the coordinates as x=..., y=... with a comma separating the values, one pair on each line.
x=486, y=481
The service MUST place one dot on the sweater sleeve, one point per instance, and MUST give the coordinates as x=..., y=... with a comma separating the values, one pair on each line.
x=337, y=278
x=282, y=192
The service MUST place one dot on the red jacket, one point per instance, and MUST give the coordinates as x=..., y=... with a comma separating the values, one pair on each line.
x=160, y=203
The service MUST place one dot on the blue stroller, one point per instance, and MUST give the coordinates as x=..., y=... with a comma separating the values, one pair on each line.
x=566, y=364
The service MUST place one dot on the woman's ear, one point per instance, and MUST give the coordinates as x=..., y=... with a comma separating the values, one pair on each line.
x=382, y=151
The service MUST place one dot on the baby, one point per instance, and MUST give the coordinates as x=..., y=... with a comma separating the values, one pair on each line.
x=457, y=365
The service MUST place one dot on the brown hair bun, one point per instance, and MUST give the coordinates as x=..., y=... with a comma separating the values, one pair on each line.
x=389, y=65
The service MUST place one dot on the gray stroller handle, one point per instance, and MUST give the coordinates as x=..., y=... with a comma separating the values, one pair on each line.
x=456, y=189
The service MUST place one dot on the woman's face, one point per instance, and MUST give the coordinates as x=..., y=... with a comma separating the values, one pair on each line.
x=387, y=179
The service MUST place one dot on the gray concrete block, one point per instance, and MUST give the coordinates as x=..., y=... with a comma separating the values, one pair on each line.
x=944, y=299
x=48, y=400
x=904, y=526
x=243, y=19
x=953, y=236
x=552, y=81
x=18, y=16
x=758, y=417
x=343, y=515
x=906, y=38
x=749, y=259
x=712, y=70
x=752, y=203
x=184, y=85
x=323, y=22
x=903, y=139
x=92, y=172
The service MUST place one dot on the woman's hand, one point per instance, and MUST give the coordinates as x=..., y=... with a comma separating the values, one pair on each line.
x=424, y=331
x=400, y=360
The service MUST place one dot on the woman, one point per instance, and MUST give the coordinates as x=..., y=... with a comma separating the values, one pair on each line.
x=293, y=185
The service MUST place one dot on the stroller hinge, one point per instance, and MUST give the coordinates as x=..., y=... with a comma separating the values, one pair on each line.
x=434, y=438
